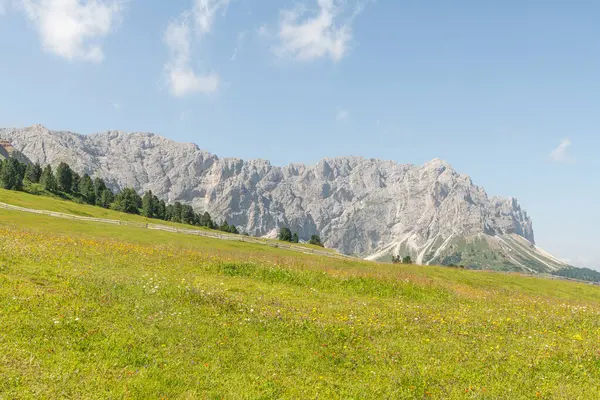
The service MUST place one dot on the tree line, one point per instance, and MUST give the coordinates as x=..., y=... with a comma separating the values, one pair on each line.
x=582, y=274
x=67, y=183
x=401, y=260
x=286, y=235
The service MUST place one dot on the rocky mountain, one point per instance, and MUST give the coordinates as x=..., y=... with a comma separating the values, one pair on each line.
x=365, y=207
x=7, y=151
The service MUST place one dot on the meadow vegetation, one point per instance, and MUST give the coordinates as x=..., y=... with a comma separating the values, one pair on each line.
x=101, y=311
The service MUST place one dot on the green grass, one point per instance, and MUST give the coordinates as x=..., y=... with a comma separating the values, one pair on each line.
x=50, y=202
x=100, y=311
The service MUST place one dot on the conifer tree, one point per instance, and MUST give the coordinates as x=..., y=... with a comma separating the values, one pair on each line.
x=64, y=177
x=224, y=226
x=99, y=188
x=33, y=172
x=11, y=175
x=148, y=205
x=176, y=215
x=316, y=240
x=169, y=212
x=285, y=235
x=155, y=207
x=295, y=238
x=161, y=209
x=86, y=189
x=127, y=201
x=47, y=179
x=75, y=182
x=187, y=214
x=206, y=221
x=106, y=198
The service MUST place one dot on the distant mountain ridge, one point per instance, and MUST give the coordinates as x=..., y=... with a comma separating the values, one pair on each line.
x=365, y=207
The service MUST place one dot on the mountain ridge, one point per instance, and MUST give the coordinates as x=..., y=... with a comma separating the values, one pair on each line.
x=365, y=207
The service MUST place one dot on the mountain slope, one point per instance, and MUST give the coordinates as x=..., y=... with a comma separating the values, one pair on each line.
x=366, y=207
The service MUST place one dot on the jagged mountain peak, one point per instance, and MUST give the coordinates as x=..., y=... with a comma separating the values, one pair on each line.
x=361, y=206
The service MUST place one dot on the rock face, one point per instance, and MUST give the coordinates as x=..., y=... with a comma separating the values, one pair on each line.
x=365, y=207
x=8, y=151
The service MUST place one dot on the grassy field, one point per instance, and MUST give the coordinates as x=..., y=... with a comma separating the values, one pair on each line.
x=56, y=204
x=101, y=311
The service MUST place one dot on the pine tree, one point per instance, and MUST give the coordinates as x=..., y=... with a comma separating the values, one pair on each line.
x=11, y=175
x=47, y=179
x=148, y=205
x=224, y=226
x=169, y=212
x=285, y=235
x=99, y=188
x=161, y=209
x=295, y=238
x=206, y=221
x=187, y=214
x=176, y=215
x=75, y=182
x=233, y=229
x=106, y=198
x=33, y=172
x=64, y=177
x=316, y=240
x=155, y=207
x=406, y=260
x=86, y=189
x=127, y=201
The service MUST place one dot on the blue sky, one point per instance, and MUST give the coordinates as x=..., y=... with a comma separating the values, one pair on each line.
x=507, y=92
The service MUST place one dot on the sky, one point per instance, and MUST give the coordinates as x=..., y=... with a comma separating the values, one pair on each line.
x=507, y=92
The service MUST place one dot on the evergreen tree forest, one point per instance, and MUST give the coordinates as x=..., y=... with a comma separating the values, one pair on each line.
x=69, y=185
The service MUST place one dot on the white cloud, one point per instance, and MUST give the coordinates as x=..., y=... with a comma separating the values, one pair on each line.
x=3, y=6
x=185, y=82
x=560, y=154
x=205, y=12
x=181, y=78
x=73, y=29
x=324, y=34
x=342, y=115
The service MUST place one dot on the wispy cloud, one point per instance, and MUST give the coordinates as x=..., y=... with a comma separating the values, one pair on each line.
x=73, y=29
x=238, y=45
x=342, y=115
x=181, y=77
x=3, y=6
x=561, y=153
x=324, y=33
x=116, y=106
x=205, y=13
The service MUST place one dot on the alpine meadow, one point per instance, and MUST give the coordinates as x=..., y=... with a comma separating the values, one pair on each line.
x=92, y=310
x=299, y=199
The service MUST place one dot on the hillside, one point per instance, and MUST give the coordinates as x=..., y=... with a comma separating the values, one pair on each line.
x=362, y=207
x=62, y=208
x=93, y=310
